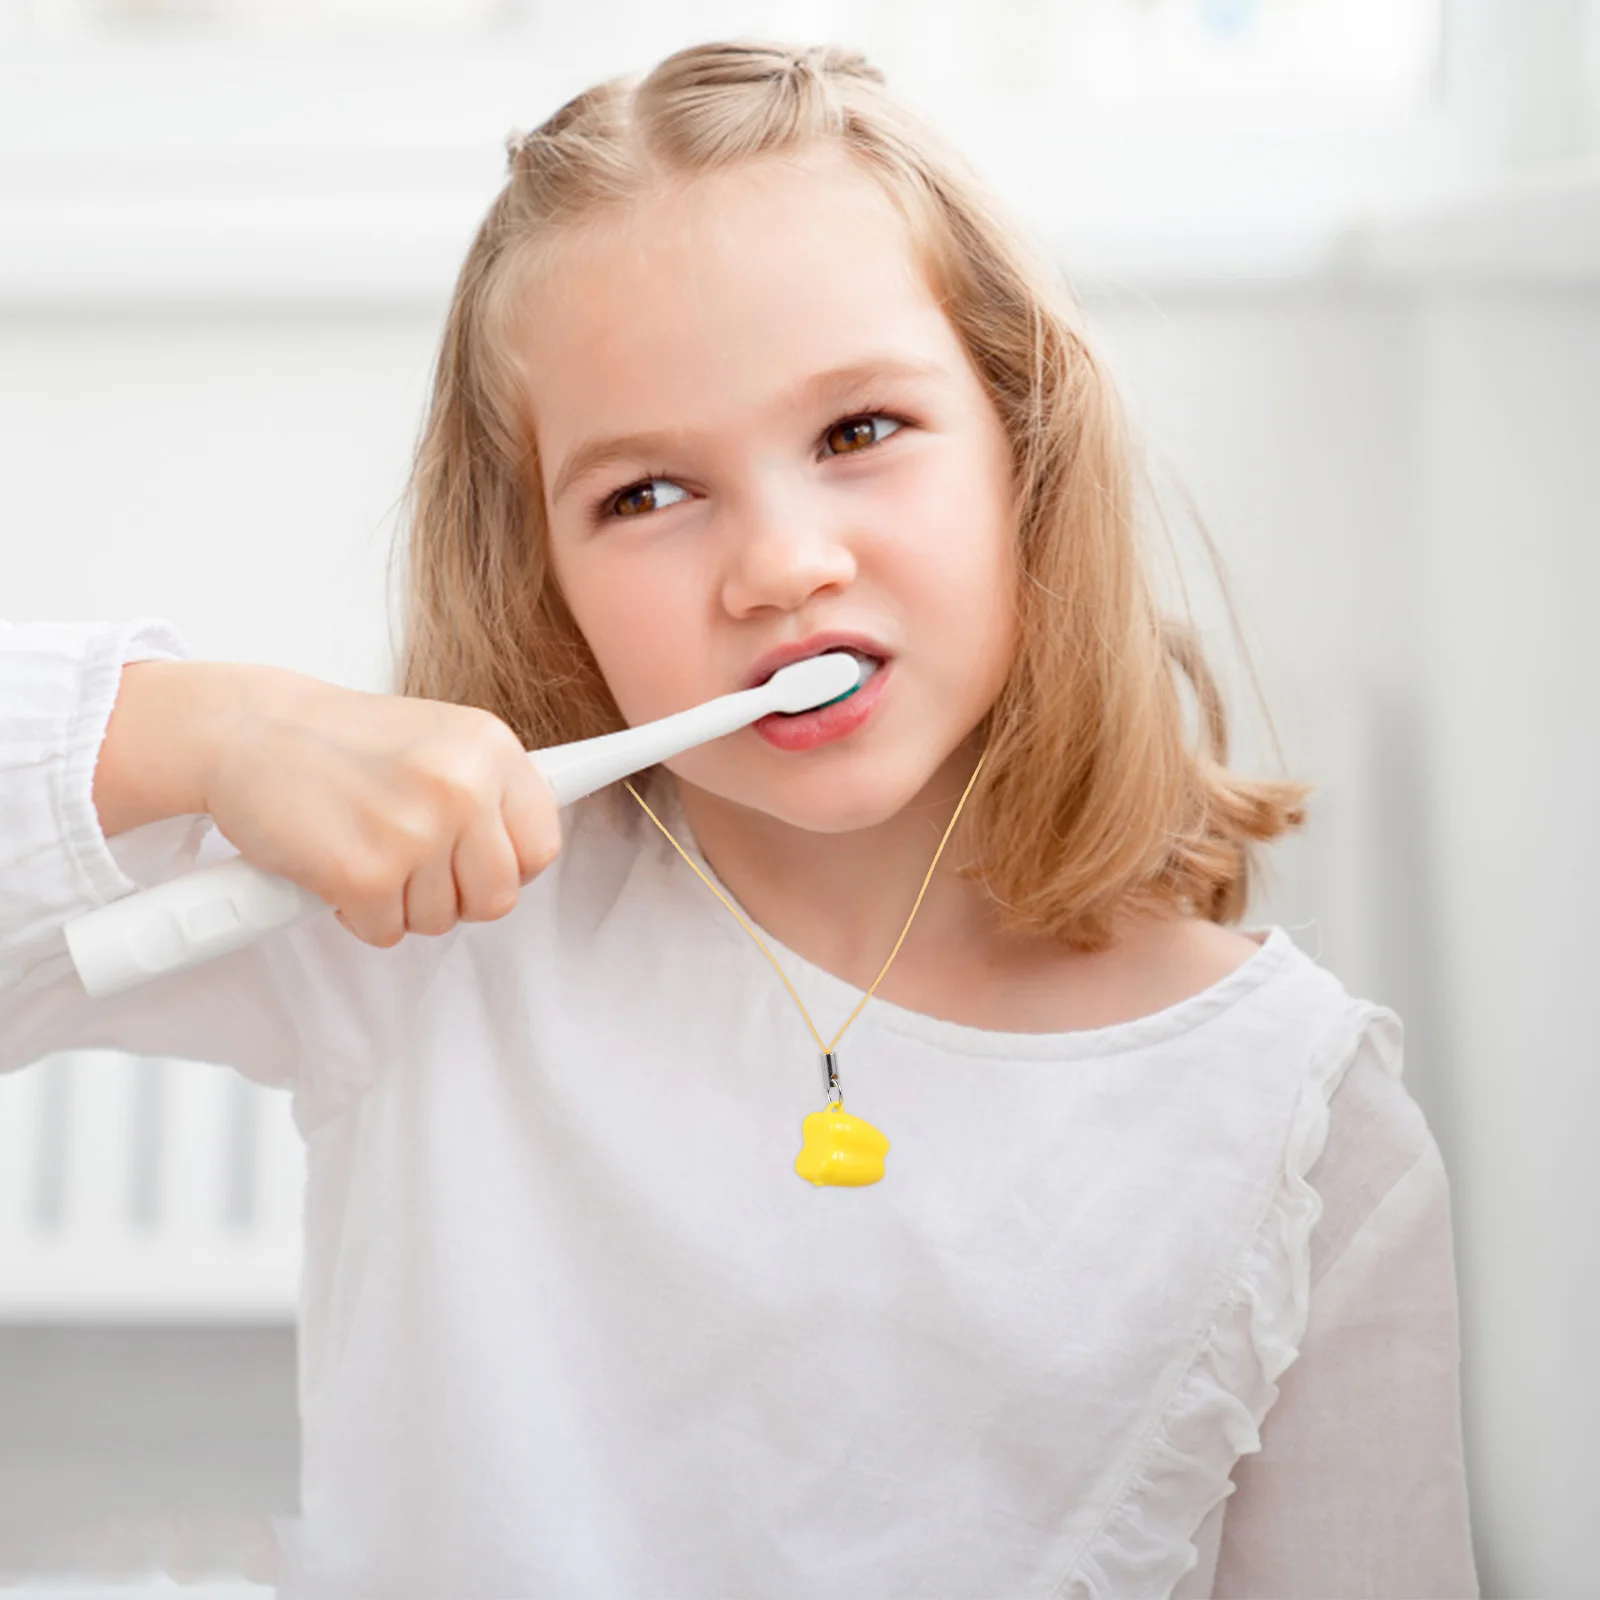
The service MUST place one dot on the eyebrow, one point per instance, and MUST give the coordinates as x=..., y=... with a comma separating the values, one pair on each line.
x=596, y=453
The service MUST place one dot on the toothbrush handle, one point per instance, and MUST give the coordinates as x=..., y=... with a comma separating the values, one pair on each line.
x=231, y=904
x=181, y=923
x=576, y=769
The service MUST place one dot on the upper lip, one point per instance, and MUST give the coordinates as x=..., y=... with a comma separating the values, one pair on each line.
x=800, y=649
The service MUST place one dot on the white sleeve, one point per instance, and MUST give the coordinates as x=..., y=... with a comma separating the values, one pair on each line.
x=1359, y=1487
x=58, y=683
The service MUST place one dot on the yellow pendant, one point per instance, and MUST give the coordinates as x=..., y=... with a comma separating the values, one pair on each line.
x=841, y=1149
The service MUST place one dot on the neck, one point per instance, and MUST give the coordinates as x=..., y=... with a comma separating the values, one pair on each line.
x=842, y=899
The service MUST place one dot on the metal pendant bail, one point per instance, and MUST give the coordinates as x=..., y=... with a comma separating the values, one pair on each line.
x=830, y=1075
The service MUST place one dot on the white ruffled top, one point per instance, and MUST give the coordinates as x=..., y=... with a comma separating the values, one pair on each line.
x=1165, y=1308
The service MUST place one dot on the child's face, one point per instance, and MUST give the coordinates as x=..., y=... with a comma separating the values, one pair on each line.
x=775, y=501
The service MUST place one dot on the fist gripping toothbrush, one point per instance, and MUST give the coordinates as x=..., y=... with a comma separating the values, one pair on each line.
x=228, y=905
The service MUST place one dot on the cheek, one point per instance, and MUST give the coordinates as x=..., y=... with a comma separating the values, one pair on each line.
x=638, y=618
x=953, y=532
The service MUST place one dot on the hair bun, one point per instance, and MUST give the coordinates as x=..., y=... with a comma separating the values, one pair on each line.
x=732, y=63
x=837, y=60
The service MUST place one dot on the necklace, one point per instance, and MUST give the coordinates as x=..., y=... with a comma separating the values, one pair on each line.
x=836, y=1148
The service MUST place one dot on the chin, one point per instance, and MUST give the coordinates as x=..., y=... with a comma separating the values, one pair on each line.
x=837, y=814
x=819, y=801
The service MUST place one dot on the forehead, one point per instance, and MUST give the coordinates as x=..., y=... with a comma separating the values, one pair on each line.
x=717, y=294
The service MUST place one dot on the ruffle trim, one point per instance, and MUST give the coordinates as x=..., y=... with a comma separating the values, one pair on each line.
x=1145, y=1545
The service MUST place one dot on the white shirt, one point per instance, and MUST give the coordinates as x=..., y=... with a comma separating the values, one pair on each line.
x=1161, y=1308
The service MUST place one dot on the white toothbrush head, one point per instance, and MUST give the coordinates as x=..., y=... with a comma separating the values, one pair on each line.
x=817, y=681
x=574, y=770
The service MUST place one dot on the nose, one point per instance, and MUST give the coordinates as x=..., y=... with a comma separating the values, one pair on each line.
x=782, y=550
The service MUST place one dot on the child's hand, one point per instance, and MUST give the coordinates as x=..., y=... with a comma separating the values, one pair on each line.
x=406, y=815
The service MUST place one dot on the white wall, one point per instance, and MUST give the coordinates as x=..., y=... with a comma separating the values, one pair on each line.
x=1509, y=534
x=233, y=470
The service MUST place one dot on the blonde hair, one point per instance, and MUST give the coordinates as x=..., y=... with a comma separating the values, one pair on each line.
x=1092, y=803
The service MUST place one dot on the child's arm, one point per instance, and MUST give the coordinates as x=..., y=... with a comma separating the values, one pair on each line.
x=58, y=683
x=151, y=760
x=1359, y=1487
x=404, y=814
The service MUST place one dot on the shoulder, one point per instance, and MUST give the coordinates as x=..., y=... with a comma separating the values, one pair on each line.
x=1377, y=1130
x=1172, y=959
x=1205, y=953
x=1377, y=1133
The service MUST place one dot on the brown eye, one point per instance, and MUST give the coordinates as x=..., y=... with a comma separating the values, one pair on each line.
x=856, y=433
x=646, y=496
x=635, y=501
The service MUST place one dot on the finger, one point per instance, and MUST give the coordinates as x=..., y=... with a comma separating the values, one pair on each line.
x=432, y=904
x=376, y=918
x=532, y=824
x=487, y=875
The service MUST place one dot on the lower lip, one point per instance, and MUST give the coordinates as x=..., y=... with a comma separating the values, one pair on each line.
x=826, y=723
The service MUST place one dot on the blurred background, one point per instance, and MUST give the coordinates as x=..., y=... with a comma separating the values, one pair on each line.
x=1344, y=257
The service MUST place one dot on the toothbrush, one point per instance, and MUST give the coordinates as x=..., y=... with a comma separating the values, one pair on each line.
x=230, y=904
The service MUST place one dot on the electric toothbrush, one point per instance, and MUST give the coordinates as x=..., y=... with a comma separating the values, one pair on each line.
x=230, y=904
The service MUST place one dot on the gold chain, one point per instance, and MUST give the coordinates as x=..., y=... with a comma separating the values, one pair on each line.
x=826, y=1049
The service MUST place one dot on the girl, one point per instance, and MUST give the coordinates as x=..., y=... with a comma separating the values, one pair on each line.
x=1154, y=1295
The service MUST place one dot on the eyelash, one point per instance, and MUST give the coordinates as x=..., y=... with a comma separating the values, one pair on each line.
x=601, y=510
